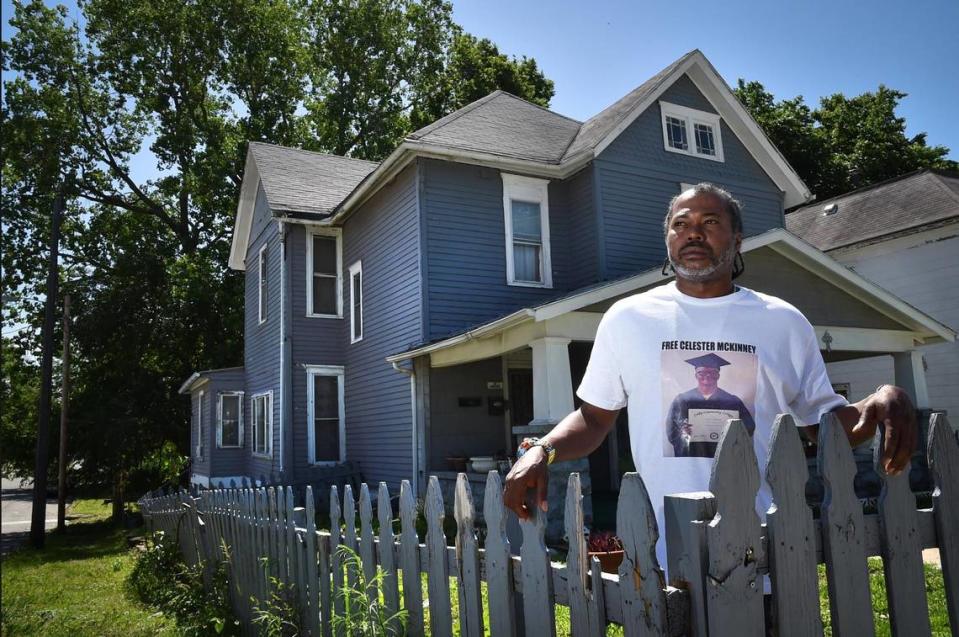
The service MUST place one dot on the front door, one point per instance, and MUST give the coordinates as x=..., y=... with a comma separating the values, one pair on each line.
x=520, y=397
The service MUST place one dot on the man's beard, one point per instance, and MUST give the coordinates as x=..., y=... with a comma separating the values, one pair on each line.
x=699, y=275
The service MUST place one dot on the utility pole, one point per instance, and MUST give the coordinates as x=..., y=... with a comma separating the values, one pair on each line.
x=38, y=519
x=64, y=403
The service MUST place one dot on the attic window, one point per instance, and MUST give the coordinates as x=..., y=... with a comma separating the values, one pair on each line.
x=691, y=132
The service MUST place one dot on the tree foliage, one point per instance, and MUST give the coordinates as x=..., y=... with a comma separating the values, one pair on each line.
x=845, y=143
x=183, y=87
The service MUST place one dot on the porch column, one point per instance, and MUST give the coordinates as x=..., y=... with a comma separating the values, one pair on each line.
x=911, y=375
x=553, y=401
x=552, y=381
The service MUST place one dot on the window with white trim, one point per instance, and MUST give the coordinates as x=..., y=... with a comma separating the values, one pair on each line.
x=356, y=302
x=326, y=429
x=324, y=273
x=526, y=212
x=199, y=425
x=691, y=132
x=229, y=426
x=262, y=284
x=262, y=410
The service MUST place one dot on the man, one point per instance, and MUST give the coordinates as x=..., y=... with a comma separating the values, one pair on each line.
x=643, y=339
x=697, y=417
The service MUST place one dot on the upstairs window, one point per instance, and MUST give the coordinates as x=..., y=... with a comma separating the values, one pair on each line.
x=326, y=436
x=229, y=430
x=526, y=212
x=356, y=302
x=323, y=276
x=691, y=132
x=262, y=285
x=263, y=424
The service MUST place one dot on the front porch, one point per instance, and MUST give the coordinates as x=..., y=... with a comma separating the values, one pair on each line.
x=480, y=392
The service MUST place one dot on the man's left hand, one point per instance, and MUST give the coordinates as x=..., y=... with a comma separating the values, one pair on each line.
x=890, y=408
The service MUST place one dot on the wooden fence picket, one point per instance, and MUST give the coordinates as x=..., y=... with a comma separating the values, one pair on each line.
x=538, y=609
x=282, y=537
x=438, y=580
x=734, y=590
x=366, y=542
x=312, y=577
x=410, y=561
x=842, y=523
x=792, y=536
x=944, y=465
x=641, y=578
x=585, y=615
x=468, y=561
x=499, y=566
x=349, y=533
x=335, y=555
x=391, y=594
x=901, y=553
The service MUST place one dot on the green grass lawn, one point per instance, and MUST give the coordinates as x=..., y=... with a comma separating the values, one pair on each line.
x=935, y=598
x=76, y=585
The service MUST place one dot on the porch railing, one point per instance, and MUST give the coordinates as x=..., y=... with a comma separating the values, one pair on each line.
x=718, y=551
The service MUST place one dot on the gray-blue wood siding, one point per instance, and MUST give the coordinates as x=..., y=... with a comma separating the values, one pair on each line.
x=229, y=461
x=583, y=266
x=384, y=235
x=637, y=177
x=262, y=341
x=466, y=248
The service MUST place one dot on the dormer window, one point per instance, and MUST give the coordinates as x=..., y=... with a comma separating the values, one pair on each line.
x=691, y=132
x=526, y=212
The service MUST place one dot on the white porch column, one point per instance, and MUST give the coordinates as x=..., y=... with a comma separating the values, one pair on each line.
x=911, y=376
x=552, y=381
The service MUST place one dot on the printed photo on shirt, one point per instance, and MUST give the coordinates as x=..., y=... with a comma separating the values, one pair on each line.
x=702, y=391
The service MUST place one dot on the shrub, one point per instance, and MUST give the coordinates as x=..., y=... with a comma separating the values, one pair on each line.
x=363, y=611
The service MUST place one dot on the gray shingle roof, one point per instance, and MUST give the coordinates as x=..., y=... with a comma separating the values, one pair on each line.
x=602, y=124
x=897, y=205
x=297, y=180
x=505, y=125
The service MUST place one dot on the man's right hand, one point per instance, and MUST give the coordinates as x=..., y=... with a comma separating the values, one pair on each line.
x=531, y=471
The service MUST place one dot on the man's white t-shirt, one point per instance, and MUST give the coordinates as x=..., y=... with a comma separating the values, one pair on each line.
x=646, y=355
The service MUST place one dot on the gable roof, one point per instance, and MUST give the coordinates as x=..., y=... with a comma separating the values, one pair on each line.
x=294, y=181
x=499, y=130
x=808, y=257
x=906, y=203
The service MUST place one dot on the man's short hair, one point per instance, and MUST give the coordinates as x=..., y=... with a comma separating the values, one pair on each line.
x=733, y=207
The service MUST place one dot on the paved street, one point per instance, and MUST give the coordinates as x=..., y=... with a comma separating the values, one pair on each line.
x=15, y=518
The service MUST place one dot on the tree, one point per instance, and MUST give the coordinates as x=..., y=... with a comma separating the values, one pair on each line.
x=188, y=85
x=846, y=142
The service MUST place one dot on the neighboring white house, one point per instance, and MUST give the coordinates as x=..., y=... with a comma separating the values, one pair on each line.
x=902, y=234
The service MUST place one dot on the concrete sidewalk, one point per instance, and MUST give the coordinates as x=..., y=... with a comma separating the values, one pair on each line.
x=17, y=498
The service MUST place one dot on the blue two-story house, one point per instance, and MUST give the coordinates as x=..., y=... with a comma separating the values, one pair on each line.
x=404, y=315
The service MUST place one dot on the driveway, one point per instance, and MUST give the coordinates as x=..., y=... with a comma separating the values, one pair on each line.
x=17, y=508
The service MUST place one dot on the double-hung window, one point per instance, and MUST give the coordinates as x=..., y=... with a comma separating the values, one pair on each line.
x=199, y=425
x=323, y=273
x=262, y=284
x=356, y=302
x=526, y=212
x=262, y=409
x=691, y=132
x=326, y=434
x=229, y=429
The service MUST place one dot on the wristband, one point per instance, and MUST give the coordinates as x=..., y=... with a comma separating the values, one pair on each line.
x=529, y=443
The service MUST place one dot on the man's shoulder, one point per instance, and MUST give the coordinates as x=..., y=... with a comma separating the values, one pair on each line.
x=770, y=303
x=654, y=297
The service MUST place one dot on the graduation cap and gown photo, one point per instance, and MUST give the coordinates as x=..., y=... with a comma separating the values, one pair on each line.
x=697, y=417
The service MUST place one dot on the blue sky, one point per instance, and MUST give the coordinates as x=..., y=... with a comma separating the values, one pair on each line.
x=597, y=51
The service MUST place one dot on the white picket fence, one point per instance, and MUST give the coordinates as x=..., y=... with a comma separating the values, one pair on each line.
x=718, y=551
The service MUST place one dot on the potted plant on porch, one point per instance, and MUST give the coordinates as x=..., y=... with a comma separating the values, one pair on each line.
x=607, y=547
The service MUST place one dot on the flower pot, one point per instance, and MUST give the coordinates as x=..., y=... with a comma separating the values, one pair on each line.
x=609, y=561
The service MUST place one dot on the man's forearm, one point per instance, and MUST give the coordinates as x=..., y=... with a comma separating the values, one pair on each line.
x=581, y=432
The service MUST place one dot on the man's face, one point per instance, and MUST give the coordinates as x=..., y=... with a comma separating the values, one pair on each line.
x=707, y=379
x=700, y=239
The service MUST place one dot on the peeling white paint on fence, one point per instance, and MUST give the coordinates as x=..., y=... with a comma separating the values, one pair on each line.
x=272, y=545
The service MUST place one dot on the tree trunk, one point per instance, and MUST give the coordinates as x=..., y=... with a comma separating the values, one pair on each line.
x=118, y=480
